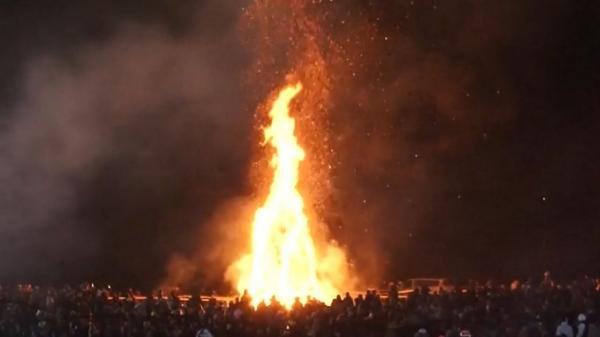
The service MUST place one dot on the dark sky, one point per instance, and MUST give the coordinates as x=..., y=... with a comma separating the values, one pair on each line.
x=464, y=135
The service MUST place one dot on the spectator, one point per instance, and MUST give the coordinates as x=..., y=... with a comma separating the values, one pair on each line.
x=564, y=329
x=421, y=333
x=485, y=310
x=593, y=328
x=581, y=326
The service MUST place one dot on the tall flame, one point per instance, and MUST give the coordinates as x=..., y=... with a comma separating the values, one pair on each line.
x=283, y=262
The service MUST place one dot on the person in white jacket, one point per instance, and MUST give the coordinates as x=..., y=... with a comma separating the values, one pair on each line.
x=564, y=329
x=581, y=325
x=204, y=333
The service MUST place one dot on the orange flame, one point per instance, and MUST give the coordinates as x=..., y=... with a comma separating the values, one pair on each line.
x=283, y=262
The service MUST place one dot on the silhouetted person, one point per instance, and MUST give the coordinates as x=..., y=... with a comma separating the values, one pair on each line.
x=564, y=329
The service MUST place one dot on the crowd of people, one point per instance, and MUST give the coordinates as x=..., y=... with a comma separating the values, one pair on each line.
x=489, y=310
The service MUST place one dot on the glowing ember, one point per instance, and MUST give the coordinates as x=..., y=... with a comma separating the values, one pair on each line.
x=283, y=262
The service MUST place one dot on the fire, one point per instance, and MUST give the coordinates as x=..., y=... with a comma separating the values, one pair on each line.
x=283, y=262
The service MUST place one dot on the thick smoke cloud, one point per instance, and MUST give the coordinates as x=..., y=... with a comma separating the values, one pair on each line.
x=127, y=134
x=116, y=146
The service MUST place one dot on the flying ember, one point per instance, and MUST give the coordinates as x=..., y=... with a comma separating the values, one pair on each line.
x=283, y=262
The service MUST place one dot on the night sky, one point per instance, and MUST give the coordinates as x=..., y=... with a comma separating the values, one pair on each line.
x=462, y=135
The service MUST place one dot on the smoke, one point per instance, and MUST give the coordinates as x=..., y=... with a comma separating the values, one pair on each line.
x=126, y=140
x=419, y=85
x=127, y=148
x=221, y=238
x=114, y=146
